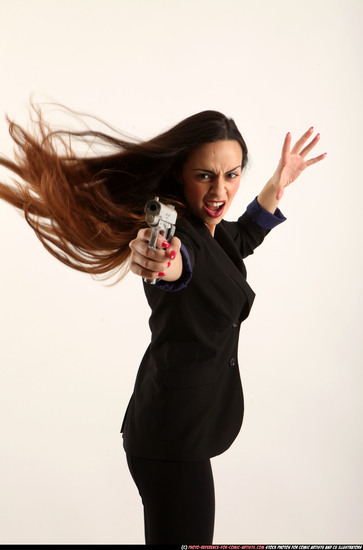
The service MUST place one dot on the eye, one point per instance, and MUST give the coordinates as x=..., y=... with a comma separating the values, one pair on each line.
x=232, y=175
x=203, y=176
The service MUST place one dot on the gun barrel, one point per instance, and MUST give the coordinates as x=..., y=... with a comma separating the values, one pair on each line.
x=152, y=211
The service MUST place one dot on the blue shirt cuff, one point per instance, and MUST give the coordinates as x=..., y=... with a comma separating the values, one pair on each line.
x=182, y=282
x=262, y=217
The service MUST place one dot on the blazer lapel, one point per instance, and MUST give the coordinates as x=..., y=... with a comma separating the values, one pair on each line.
x=234, y=264
x=225, y=241
x=229, y=257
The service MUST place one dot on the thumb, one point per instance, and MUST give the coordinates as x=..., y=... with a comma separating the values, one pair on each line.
x=174, y=249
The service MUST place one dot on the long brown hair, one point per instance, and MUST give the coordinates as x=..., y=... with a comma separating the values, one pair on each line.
x=86, y=209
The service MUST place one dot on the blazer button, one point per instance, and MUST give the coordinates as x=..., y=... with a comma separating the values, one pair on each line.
x=235, y=325
x=233, y=362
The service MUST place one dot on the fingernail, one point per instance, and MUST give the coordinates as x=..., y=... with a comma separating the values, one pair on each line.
x=172, y=255
x=165, y=244
x=311, y=128
x=161, y=274
x=168, y=264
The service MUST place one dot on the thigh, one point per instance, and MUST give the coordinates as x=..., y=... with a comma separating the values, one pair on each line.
x=178, y=499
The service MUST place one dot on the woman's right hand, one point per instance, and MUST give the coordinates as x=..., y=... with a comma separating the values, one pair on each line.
x=166, y=262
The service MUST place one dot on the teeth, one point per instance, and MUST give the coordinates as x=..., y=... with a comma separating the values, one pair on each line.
x=214, y=203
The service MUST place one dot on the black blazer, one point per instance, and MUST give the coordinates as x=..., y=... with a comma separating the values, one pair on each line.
x=187, y=402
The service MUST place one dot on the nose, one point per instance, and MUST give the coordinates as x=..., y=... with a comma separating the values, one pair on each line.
x=218, y=185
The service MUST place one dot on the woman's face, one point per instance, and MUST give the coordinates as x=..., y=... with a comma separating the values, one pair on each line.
x=210, y=178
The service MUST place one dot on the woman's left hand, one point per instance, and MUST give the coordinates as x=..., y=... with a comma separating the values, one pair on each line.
x=293, y=162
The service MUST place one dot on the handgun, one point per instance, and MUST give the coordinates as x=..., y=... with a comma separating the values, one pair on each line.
x=161, y=218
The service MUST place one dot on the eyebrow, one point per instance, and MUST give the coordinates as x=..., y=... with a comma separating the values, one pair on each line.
x=211, y=171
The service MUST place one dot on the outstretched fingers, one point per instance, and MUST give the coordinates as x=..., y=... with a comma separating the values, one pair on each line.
x=310, y=146
x=286, y=146
x=301, y=142
x=316, y=159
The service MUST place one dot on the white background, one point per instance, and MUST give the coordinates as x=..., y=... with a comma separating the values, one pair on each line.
x=70, y=346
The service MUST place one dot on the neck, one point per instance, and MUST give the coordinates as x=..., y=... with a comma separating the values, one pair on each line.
x=211, y=229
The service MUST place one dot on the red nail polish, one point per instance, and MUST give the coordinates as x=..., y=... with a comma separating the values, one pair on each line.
x=168, y=264
x=161, y=274
x=172, y=255
x=165, y=244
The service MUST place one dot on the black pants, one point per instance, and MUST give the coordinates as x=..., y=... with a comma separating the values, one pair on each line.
x=178, y=499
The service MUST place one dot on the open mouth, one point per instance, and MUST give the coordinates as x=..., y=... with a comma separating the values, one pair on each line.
x=214, y=209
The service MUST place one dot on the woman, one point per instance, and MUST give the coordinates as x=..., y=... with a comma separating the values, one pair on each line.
x=187, y=404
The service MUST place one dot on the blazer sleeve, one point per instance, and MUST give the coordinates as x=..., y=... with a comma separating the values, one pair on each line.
x=249, y=231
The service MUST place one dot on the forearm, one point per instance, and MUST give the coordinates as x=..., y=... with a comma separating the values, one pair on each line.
x=267, y=197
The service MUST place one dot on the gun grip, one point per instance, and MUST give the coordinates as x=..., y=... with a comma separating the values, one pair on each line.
x=168, y=234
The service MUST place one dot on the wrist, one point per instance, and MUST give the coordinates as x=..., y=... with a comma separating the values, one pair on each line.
x=267, y=197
